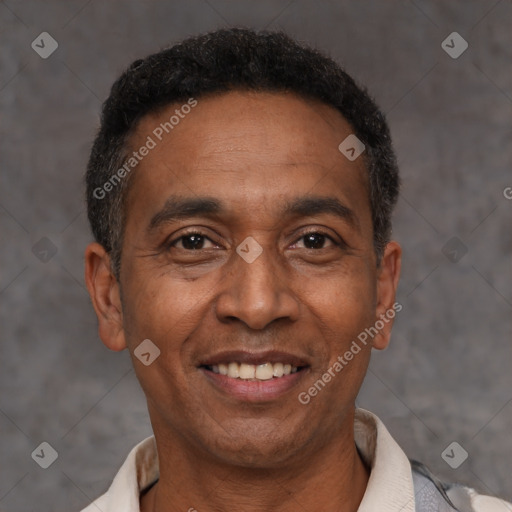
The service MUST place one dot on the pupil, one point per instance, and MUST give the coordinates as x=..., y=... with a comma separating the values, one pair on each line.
x=315, y=240
x=193, y=242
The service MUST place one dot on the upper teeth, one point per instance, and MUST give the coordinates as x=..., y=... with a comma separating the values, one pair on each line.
x=244, y=371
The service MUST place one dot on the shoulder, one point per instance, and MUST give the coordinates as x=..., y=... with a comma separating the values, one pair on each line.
x=432, y=494
x=98, y=504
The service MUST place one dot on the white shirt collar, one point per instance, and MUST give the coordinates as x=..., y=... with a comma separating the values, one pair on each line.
x=390, y=486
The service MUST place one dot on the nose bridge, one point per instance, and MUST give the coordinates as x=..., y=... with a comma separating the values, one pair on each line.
x=259, y=278
x=256, y=289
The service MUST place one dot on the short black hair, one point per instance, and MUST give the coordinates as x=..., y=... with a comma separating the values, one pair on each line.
x=221, y=61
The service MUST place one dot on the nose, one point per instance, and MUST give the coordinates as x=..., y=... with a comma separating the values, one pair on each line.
x=257, y=293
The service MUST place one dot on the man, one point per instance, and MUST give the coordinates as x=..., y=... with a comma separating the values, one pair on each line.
x=240, y=192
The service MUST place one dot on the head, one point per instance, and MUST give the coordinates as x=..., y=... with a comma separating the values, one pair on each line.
x=229, y=227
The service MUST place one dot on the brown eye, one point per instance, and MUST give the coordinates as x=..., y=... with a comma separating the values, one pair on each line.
x=316, y=240
x=191, y=242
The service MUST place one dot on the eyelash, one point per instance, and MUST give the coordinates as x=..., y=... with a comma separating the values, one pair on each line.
x=171, y=244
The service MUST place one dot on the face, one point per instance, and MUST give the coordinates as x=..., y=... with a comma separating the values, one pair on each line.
x=248, y=250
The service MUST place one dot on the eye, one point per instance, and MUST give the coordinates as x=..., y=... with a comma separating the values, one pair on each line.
x=317, y=240
x=195, y=241
x=192, y=241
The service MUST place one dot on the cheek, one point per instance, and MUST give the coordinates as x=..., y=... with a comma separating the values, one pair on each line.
x=164, y=307
x=165, y=311
x=344, y=306
x=344, y=300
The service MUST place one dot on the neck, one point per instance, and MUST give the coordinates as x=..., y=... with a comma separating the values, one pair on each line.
x=333, y=478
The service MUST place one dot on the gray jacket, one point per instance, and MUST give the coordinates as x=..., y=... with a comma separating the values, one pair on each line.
x=432, y=495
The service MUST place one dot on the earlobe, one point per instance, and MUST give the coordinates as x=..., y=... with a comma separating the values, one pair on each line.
x=105, y=295
x=387, y=283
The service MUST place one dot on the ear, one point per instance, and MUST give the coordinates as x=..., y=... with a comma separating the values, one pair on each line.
x=105, y=295
x=388, y=274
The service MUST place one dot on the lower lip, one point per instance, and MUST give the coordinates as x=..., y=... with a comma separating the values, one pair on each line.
x=254, y=390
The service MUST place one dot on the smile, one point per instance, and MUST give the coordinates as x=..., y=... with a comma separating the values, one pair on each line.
x=265, y=371
x=254, y=377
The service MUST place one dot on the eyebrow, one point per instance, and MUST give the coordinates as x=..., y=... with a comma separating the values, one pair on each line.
x=180, y=208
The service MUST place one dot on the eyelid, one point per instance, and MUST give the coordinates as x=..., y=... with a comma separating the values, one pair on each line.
x=188, y=232
x=200, y=232
x=323, y=232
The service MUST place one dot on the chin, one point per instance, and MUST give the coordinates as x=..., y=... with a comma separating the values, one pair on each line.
x=258, y=448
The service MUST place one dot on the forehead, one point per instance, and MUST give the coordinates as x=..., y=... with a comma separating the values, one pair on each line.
x=248, y=149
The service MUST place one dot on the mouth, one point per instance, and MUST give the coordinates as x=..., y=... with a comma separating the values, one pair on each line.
x=254, y=377
x=243, y=371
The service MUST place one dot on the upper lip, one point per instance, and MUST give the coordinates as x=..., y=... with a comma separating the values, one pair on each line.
x=254, y=358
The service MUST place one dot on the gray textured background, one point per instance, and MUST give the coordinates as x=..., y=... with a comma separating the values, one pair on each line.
x=447, y=374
